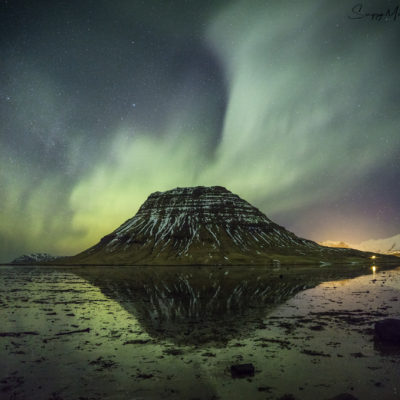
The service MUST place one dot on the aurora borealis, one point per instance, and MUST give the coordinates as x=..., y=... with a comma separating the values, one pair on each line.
x=290, y=104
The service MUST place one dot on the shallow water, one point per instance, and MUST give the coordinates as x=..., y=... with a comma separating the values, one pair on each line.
x=174, y=332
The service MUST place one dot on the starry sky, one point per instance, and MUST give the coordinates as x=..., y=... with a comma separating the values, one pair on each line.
x=293, y=105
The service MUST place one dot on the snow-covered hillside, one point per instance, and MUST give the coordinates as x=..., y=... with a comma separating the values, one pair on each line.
x=34, y=258
x=389, y=245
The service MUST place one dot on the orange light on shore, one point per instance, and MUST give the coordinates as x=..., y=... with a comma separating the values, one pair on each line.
x=373, y=269
x=373, y=257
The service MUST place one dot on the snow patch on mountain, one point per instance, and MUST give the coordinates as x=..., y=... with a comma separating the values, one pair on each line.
x=389, y=245
x=34, y=258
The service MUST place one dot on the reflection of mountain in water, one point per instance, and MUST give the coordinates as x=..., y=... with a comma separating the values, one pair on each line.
x=202, y=304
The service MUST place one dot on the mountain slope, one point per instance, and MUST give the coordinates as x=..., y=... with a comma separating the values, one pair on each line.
x=205, y=226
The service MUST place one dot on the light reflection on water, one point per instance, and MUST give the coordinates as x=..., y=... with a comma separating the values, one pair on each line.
x=174, y=332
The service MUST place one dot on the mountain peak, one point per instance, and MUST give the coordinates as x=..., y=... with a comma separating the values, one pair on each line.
x=201, y=226
x=34, y=258
x=193, y=191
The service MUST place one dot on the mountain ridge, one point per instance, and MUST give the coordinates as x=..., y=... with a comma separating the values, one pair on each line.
x=388, y=246
x=34, y=258
x=335, y=244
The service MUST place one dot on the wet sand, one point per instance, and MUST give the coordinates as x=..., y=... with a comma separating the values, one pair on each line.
x=64, y=335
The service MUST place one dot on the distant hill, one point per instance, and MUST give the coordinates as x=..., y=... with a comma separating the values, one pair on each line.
x=34, y=258
x=389, y=245
x=330, y=243
x=205, y=226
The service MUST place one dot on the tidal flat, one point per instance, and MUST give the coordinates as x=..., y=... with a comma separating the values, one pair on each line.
x=175, y=332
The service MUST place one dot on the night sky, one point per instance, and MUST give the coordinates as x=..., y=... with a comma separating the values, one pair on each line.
x=290, y=104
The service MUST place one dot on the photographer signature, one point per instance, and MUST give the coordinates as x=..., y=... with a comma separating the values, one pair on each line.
x=357, y=13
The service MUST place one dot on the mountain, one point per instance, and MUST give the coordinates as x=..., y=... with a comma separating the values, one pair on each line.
x=389, y=245
x=331, y=243
x=34, y=258
x=205, y=226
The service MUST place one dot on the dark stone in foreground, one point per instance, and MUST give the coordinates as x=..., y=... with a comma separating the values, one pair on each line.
x=344, y=396
x=387, y=331
x=242, y=370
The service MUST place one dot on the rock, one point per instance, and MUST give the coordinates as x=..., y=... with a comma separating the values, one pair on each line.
x=387, y=331
x=242, y=370
x=17, y=334
x=344, y=396
x=144, y=376
x=137, y=341
x=173, y=352
x=264, y=388
x=287, y=396
x=315, y=353
x=208, y=354
x=358, y=355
